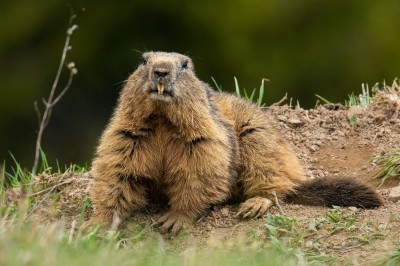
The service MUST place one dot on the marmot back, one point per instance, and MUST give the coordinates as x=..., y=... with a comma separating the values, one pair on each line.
x=174, y=140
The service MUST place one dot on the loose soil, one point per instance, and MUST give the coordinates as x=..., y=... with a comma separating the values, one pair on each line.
x=330, y=140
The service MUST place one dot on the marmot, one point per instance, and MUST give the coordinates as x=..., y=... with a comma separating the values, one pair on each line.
x=175, y=140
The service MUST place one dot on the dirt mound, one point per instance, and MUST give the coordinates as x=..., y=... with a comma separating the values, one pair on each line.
x=330, y=140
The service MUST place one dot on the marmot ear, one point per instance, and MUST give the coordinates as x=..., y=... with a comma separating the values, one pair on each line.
x=145, y=58
x=185, y=64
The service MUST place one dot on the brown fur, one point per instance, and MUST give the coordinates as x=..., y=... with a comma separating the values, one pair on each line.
x=335, y=191
x=190, y=146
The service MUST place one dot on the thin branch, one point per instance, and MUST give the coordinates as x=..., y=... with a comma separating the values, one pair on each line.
x=58, y=98
x=56, y=185
x=48, y=118
x=39, y=115
x=280, y=101
x=49, y=102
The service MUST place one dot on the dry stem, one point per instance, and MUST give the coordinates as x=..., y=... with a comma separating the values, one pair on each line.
x=277, y=203
x=51, y=100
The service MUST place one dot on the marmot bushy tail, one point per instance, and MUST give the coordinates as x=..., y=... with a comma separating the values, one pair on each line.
x=174, y=140
x=343, y=192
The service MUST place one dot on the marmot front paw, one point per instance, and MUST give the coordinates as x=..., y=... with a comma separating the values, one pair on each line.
x=254, y=207
x=172, y=222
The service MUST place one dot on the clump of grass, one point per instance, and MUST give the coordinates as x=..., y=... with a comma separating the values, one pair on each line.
x=286, y=236
x=340, y=220
x=353, y=121
x=303, y=239
x=362, y=100
x=337, y=220
x=17, y=176
x=389, y=164
x=250, y=97
x=20, y=177
x=365, y=98
x=21, y=192
x=393, y=260
x=246, y=95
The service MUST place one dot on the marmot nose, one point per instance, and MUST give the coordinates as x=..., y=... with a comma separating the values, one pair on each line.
x=161, y=72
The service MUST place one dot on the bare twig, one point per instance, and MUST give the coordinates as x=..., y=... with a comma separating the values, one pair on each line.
x=71, y=232
x=52, y=99
x=280, y=101
x=277, y=203
x=56, y=185
x=71, y=76
x=39, y=115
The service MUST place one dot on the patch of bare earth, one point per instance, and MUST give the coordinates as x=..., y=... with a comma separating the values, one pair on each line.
x=328, y=144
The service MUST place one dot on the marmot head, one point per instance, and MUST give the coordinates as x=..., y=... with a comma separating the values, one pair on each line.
x=165, y=76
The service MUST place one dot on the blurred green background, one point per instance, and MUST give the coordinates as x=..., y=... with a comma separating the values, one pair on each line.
x=303, y=47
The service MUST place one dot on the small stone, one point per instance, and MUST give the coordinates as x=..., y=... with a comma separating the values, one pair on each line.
x=295, y=122
x=318, y=143
x=394, y=194
x=282, y=118
x=309, y=244
x=318, y=173
x=225, y=212
x=313, y=148
x=353, y=209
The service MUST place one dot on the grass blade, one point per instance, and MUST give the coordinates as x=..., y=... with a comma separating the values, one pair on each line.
x=237, y=87
x=219, y=88
x=261, y=93
x=252, y=95
x=323, y=99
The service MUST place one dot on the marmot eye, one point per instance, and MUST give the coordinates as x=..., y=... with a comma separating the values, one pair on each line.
x=144, y=62
x=185, y=64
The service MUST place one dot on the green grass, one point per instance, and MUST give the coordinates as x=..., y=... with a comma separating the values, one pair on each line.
x=26, y=241
x=242, y=92
x=393, y=260
x=285, y=235
x=365, y=98
x=250, y=97
x=362, y=100
x=389, y=164
x=53, y=245
x=325, y=101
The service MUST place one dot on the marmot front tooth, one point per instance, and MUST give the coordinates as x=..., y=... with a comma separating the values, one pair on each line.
x=160, y=88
